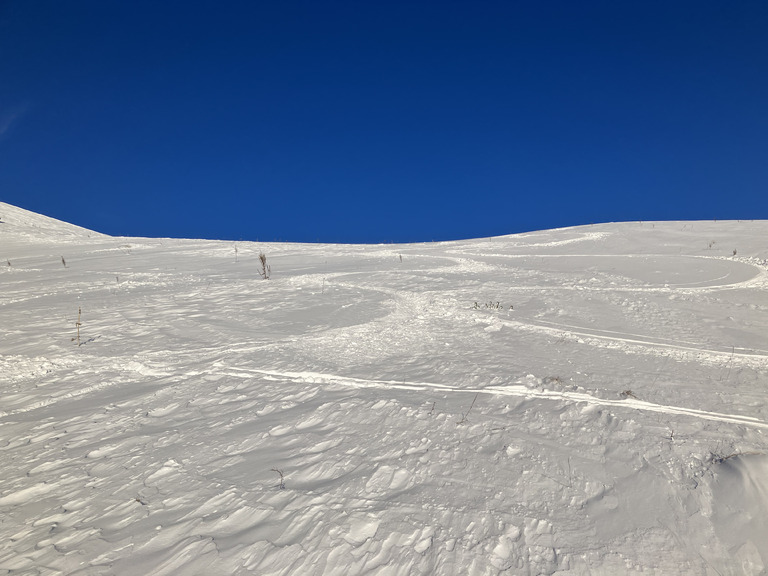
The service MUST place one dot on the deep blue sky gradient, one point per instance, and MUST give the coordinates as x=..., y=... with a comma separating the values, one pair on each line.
x=350, y=121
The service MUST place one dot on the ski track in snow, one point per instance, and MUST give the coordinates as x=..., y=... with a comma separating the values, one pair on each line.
x=415, y=430
x=519, y=390
x=638, y=344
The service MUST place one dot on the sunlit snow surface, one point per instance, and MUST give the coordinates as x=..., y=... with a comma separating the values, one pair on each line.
x=588, y=400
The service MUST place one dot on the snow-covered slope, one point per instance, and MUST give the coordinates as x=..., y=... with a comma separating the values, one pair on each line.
x=22, y=226
x=588, y=400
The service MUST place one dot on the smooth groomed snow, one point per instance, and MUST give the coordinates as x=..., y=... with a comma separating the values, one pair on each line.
x=589, y=400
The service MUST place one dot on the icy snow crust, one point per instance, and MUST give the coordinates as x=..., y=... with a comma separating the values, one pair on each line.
x=613, y=422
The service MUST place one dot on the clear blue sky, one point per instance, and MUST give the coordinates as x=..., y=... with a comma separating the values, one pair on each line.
x=380, y=121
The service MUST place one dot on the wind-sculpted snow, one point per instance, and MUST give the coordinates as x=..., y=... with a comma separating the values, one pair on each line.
x=590, y=400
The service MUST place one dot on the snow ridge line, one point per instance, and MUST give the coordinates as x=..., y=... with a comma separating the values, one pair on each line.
x=517, y=390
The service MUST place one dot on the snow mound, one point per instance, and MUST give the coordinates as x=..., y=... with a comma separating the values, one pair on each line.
x=740, y=509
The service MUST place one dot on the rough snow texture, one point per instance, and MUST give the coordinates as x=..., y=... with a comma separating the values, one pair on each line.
x=613, y=422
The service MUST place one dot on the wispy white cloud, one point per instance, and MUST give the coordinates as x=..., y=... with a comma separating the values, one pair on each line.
x=10, y=117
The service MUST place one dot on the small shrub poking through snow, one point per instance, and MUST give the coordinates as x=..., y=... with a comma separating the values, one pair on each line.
x=282, y=479
x=77, y=325
x=265, y=270
x=490, y=306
